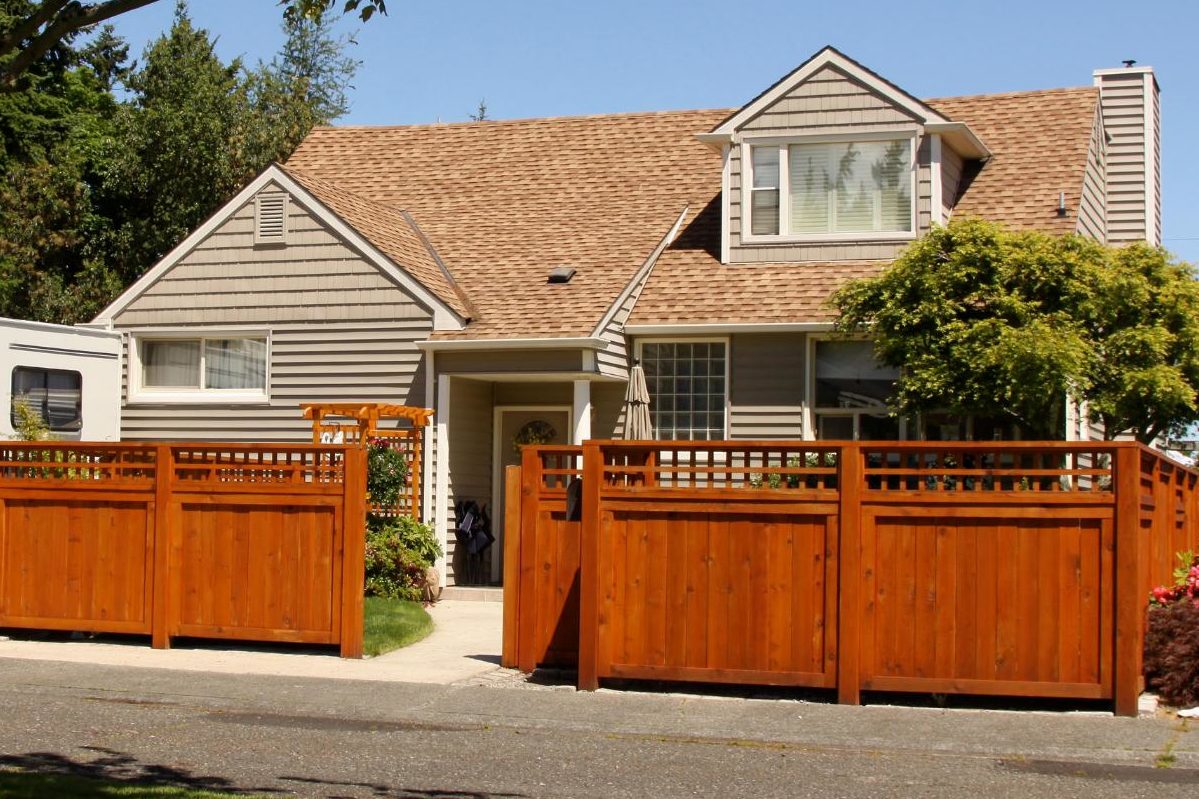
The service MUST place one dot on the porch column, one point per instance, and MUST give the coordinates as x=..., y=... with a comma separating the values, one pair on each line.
x=581, y=412
x=441, y=494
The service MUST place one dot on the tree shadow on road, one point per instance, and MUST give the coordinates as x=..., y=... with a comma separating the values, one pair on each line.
x=119, y=767
x=390, y=792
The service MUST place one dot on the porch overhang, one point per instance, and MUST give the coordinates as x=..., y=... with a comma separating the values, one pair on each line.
x=479, y=344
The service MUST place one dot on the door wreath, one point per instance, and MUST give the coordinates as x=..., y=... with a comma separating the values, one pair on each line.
x=535, y=432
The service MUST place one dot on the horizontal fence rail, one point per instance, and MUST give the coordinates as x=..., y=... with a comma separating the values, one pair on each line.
x=255, y=542
x=1014, y=568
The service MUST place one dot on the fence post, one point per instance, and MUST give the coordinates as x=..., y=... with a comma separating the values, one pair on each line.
x=589, y=621
x=160, y=566
x=1130, y=602
x=512, y=542
x=353, y=550
x=849, y=578
x=526, y=622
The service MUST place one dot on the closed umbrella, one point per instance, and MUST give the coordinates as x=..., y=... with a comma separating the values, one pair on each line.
x=637, y=424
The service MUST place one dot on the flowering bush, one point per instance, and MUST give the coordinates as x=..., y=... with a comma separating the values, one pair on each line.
x=1186, y=583
x=1172, y=637
x=398, y=553
x=386, y=473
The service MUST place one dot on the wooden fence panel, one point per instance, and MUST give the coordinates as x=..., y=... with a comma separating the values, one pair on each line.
x=1015, y=568
x=259, y=542
x=722, y=595
x=541, y=585
x=253, y=572
x=987, y=603
x=79, y=565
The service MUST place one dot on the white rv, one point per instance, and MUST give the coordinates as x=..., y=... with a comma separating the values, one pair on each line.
x=70, y=375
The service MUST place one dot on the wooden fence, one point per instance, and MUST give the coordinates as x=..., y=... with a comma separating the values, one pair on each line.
x=984, y=568
x=254, y=542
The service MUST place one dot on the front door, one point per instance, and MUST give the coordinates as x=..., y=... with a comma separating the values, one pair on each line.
x=549, y=422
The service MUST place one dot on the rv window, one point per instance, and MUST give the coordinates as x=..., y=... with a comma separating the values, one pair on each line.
x=56, y=394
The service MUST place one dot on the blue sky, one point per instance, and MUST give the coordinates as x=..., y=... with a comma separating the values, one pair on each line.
x=430, y=61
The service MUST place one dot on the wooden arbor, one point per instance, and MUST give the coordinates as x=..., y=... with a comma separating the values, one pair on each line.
x=357, y=423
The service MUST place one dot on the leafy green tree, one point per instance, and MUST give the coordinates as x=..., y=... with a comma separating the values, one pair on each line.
x=1145, y=328
x=1003, y=325
x=30, y=31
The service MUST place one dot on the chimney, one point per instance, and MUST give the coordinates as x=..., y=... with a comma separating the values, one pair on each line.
x=1128, y=98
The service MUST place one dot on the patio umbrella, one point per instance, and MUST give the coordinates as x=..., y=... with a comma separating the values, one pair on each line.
x=637, y=424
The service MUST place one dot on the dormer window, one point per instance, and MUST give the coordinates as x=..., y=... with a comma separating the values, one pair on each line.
x=831, y=189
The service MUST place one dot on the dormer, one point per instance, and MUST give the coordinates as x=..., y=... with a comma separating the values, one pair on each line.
x=833, y=163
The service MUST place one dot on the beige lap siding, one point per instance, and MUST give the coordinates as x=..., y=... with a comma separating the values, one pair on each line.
x=340, y=329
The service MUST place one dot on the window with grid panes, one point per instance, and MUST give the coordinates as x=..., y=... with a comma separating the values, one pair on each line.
x=686, y=382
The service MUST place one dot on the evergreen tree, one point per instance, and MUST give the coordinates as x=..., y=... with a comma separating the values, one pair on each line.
x=178, y=149
x=304, y=86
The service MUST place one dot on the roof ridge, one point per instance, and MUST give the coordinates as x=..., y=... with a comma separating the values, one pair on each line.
x=1021, y=93
x=487, y=123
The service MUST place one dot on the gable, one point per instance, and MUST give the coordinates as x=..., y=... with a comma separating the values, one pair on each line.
x=230, y=278
x=829, y=98
x=819, y=64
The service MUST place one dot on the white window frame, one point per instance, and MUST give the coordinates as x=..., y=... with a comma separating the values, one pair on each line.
x=139, y=393
x=728, y=360
x=810, y=408
x=782, y=142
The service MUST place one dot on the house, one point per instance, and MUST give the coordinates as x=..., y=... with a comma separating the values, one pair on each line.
x=69, y=376
x=506, y=273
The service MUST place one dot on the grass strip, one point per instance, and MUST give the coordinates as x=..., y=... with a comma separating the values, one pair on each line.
x=393, y=623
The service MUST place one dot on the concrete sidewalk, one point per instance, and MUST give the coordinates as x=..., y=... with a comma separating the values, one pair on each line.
x=464, y=645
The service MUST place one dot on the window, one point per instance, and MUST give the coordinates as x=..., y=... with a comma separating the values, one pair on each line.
x=686, y=381
x=851, y=390
x=217, y=365
x=822, y=189
x=55, y=394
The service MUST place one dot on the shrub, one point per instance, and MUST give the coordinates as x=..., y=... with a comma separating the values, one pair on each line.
x=1172, y=637
x=398, y=551
x=29, y=425
x=386, y=473
x=1172, y=653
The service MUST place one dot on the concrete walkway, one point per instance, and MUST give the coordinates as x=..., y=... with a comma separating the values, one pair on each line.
x=464, y=645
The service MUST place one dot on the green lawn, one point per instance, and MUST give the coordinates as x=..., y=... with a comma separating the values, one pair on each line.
x=393, y=623
x=24, y=785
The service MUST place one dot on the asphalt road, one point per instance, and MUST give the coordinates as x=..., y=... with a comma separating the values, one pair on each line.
x=338, y=738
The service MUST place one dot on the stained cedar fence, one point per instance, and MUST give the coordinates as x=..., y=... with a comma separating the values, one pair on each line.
x=1016, y=569
x=253, y=542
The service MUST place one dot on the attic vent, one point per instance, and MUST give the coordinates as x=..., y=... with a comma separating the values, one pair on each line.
x=270, y=219
x=561, y=274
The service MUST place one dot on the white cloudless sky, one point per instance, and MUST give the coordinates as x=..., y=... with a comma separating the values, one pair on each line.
x=435, y=60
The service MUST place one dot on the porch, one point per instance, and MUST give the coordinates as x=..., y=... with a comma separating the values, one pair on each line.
x=482, y=422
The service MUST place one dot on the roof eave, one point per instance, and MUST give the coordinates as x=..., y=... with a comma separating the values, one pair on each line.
x=963, y=140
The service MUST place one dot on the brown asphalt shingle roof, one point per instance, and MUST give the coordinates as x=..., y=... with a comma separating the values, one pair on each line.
x=391, y=233
x=1039, y=143
x=504, y=202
